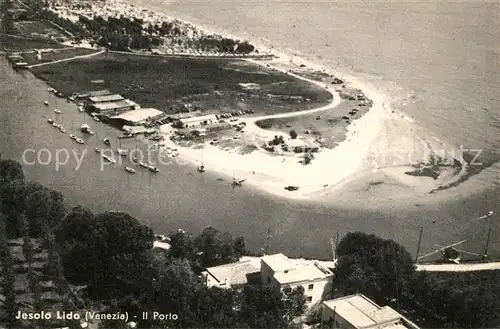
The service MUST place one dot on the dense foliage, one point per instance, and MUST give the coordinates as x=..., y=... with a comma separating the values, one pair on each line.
x=384, y=271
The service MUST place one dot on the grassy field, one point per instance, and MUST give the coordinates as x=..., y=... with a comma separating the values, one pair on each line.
x=9, y=43
x=26, y=28
x=219, y=85
x=31, y=58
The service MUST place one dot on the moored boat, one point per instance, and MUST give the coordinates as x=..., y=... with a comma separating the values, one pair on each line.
x=98, y=150
x=96, y=119
x=130, y=170
x=57, y=111
x=143, y=165
x=50, y=121
x=106, y=141
x=73, y=137
x=201, y=168
x=46, y=103
x=62, y=129
x=153, y=169
x=80, y=141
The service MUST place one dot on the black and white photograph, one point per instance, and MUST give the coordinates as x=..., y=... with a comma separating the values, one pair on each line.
x=261, y=164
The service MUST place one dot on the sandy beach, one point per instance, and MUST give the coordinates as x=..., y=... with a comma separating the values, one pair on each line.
x=382, y=141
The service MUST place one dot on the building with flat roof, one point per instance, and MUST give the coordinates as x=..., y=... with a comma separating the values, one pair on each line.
x=283, y=273
x=232, y=275
x=138, y=116
x=114, y=108
x=359, y=312
x=198, y=121
x=105, y=98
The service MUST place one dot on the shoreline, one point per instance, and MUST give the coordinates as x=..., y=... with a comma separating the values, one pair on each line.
x=332, y=167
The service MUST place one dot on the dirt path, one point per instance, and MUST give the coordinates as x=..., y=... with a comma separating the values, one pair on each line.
x=459, y=267
x=67, y=59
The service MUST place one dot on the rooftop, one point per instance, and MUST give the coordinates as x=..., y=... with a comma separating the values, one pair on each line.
x=114, y=105
x=138, y=115
x=234, y=274
x=199, y=118
x=278, y=262
x=106, y=98
x=361, y=312
x=308, y=272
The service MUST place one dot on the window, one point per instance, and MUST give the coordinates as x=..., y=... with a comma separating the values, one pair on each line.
x=286, y=271
x=310, y=287
x=309, y=298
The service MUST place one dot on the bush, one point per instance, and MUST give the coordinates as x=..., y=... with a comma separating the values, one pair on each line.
x=293, y=134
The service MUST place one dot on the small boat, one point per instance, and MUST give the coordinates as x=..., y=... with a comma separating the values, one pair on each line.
x=46, y=103
x=135, y=160
x=201, y=168
x=84, y=128
x=96, y=119
x=80, y=141
x=62, y=129
x=50, y=121
x=153, y=169
x=72, y=99
x=112, y=160
x=143, y=165
x=57, y=111
x=489, y=213
x=56, y=125
x=291, y=188
x=126, y=135
x=81, y=109
x=130, y=170
x=50, y=89
x=97, y=150
x=73, y=137
x=106, y=141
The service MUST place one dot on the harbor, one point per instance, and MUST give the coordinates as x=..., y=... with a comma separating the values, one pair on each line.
x=202, y=200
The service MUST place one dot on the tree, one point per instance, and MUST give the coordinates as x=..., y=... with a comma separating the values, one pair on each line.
x=216, y=248
x=262, y=307
x=10, y=170
x=380, y=269
x=10, y=305
x=293, y=134
x=182, y=245
x=294, y=302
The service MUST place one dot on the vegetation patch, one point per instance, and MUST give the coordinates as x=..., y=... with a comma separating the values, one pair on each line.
x=168, y=83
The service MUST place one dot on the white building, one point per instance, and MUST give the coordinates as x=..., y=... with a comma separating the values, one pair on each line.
x=359, y=312
x=198, y=121
x=280, y=271
x=232, y=275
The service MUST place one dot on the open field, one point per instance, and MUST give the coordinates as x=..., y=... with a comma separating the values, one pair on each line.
x=328, y=125
x=9, y=43
x=30, y=28
x=56, y=54
x=219, y=85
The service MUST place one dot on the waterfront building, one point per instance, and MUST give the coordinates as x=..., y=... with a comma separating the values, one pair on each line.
x=232, y=275
x=105, y=98
x=114, y=108
x=283, y=273
x=139, y=116
x=197, y=121
x=359, y=312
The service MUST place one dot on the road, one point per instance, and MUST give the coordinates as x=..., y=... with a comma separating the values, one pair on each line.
x=67, y=59
x=459, y=267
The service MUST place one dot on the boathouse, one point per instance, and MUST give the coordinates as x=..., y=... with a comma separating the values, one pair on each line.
x=137, y=117
x=197, y=121
x=105, y=99
x=114, y=108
